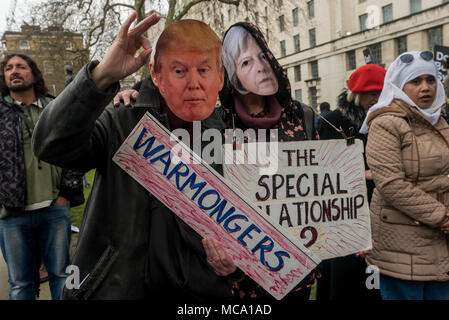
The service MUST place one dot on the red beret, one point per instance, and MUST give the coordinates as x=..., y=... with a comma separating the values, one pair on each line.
x=369, y=77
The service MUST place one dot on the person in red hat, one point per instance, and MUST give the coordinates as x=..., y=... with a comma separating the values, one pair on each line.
x=344, y=277
x=364, y=87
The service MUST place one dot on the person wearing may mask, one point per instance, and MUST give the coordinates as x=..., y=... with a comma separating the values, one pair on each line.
x=257, y=91
x=408, y=144
x=257, y=95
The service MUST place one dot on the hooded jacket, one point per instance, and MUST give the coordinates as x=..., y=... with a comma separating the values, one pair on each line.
x=408, y=159
x=12, y=166
x=291, y=127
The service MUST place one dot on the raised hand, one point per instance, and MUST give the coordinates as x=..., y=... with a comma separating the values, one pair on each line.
x=120, y=60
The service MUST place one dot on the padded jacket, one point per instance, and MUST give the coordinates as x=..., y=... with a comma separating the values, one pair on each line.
x=12, y=163
x=408, y=157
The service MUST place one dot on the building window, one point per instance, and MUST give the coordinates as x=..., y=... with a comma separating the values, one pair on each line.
x=435, y=37
x=298, y=94
x=311, y=9
x=350, y=60
x=387, y=13
x=312, y=37
x=281, y=23
x=24, y=45
x=415, y=6
x=401, y=45
x=4, y=45
x=48, y=67
x=229, y=14
x=45, y=45
x=257, y=18
x=297, y=73
x=280, y=3
x=314, y=69
x=313, y=97
x=360, y=1
x=362, y=21
x=295, y=16
x=68, y=45
x=283, y=50
x=296, y=43
x=376, y=53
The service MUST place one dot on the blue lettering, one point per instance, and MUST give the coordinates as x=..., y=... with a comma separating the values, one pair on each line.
x=161, y=159
x=150, y=141
x=219, y=209
x=246, y=234
x=192, y=180
x=268, y=247
x=204, y=195
x=236, y=226
x=176, y=171
x=278, y=255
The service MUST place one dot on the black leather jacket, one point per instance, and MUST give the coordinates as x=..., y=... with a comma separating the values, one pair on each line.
x=131, y=246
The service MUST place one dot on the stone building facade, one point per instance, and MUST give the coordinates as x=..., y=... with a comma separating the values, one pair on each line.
x=52, y=49
x=321, y=42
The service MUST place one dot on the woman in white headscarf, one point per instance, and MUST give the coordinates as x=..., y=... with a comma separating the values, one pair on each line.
x=408, y=152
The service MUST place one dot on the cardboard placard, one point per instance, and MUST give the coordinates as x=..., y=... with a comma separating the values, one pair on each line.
x=318, y=193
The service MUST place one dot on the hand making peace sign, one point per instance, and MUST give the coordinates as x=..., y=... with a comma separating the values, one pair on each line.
x=120, y=60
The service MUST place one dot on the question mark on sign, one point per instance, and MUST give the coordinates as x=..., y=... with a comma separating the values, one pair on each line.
x=314, y=236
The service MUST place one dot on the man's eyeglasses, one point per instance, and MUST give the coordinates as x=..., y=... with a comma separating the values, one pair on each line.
x=408, y=57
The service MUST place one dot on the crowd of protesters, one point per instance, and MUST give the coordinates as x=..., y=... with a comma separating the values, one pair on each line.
x=135, y=247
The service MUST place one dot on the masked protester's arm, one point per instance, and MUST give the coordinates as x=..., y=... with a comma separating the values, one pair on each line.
x=120, y=60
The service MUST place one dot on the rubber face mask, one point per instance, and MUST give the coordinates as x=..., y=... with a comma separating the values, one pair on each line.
x=254, y=71
x=190, y=81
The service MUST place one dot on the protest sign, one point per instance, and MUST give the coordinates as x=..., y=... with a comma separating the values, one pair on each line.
x=441, y=55
x=318, y=193
x=195, y=192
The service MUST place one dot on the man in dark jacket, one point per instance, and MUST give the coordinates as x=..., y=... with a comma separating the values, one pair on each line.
x=344, y=277
x=131, y=245
x=325, y=109
x=35, y=196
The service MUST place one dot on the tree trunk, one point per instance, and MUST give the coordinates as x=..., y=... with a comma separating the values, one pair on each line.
x=139, y=5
